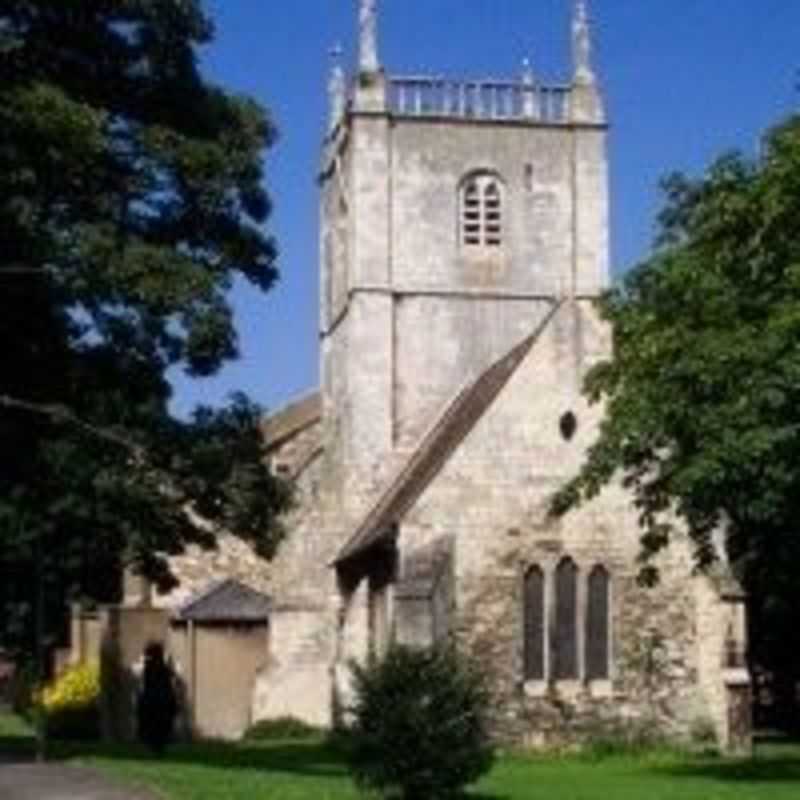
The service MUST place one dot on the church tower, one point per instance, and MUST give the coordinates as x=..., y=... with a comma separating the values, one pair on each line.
x=455, y=213
x=464, y=237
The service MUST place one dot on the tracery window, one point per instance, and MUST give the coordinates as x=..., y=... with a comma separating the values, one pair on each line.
x=482, y=212
x=566, y=623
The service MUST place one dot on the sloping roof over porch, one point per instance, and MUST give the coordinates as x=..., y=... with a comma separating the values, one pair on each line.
x=436, y=446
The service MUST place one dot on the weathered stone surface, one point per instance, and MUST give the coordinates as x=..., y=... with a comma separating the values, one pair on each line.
x=667, y=643
x=391, y=456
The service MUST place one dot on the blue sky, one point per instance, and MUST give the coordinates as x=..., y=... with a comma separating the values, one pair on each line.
x=685, y=80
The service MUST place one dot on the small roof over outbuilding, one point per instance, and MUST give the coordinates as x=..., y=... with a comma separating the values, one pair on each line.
x=227, y=601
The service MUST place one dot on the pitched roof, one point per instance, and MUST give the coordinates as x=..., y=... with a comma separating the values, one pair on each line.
x=228, y=601
x=436, y=446
x=291, y=420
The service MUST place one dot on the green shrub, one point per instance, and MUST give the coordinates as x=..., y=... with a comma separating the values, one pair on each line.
x=419, y=728
x=282, y=728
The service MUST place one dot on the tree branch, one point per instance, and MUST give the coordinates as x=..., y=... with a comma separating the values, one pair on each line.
x=22, y=271
x=141, y=458
x=62, y=414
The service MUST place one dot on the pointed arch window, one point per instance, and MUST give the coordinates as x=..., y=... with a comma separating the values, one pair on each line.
x=598, y=624
x=481, y=212
x=534, y=621
x=565, y=644
x=567, y=624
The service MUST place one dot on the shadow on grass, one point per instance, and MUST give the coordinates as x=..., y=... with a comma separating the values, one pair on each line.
x=310, y=759
x=769, y=764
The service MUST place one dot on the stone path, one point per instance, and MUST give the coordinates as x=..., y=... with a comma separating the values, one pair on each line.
x=58, y=782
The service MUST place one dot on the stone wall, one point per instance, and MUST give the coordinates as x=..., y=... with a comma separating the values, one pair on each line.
x=296, y=680
x=536, y=166
x=417, y=315
x=198, y=569
x=492, y=497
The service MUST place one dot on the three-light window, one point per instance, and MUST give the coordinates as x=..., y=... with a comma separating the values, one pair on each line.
x=566, y=638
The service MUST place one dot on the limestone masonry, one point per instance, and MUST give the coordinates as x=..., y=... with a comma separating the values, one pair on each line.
x=464, y=237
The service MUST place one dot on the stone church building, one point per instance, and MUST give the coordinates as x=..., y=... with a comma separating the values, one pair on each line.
x=464, y=238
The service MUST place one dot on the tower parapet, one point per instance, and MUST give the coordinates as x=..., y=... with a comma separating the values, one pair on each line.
x=493, y=100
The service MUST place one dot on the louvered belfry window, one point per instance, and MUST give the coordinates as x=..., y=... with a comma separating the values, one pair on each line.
x=482, y=212
x=534, y=612
x=565, y=634
x=598, y=624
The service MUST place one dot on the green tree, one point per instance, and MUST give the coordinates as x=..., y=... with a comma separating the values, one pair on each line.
x=702, y=393
x=131, y=199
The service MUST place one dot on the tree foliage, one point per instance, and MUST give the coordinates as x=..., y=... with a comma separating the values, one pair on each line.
x=131, y=199
x=702, y=393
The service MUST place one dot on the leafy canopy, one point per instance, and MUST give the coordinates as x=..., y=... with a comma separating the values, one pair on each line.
x=702, y=392
x=131, y=199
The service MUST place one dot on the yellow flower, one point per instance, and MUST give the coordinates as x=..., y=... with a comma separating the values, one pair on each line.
x=77, y=688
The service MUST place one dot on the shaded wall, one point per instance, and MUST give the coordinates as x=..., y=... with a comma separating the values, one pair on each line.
x=126, y=632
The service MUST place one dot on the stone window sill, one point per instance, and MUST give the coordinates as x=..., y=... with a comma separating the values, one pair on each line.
x=603, y=688
x=535, y=688
x=570, y=689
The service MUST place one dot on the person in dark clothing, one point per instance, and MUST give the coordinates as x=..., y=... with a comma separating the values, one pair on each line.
x=157, y=703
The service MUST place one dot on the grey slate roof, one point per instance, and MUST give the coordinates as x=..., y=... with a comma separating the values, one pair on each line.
x=228, y=601
x=433, y=451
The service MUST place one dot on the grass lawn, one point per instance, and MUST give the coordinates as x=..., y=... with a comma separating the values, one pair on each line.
x=12, y=727
x=311, y=771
